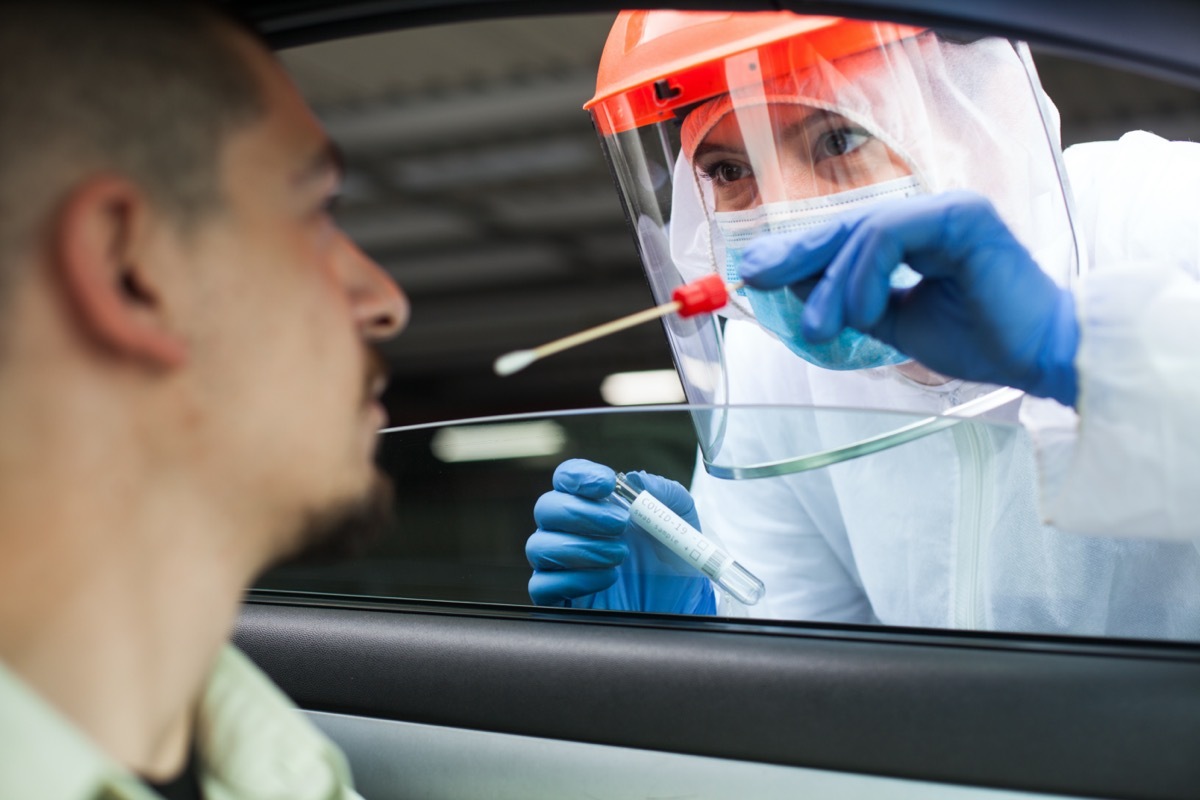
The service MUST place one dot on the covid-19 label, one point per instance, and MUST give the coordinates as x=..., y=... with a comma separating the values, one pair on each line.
x=673, y=531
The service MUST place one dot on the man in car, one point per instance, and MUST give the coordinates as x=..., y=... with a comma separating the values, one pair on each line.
x=190, y=395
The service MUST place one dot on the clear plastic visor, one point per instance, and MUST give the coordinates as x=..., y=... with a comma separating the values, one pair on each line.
x=782, y=151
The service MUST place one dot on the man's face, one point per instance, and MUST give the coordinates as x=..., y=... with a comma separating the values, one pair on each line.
x=283, y=313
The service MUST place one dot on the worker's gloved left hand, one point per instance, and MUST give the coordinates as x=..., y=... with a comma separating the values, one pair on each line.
x=983, y=311
x=586, y=553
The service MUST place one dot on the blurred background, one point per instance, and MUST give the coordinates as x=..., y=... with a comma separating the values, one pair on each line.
x=476, y=179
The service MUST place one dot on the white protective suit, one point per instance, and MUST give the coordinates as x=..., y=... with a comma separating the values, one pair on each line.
x=947, y=531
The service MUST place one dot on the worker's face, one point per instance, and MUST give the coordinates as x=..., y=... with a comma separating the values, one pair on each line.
x=286, y=310
x=784, y=151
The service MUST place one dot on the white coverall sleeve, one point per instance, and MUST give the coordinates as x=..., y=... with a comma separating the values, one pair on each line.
x=1133, y=467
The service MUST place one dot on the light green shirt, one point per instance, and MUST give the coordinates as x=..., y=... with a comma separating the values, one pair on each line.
x=253, y=744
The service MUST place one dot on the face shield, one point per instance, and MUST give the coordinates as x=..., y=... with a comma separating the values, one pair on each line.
x=722, y=127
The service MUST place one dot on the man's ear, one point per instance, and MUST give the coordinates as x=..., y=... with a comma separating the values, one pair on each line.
x=104, y=258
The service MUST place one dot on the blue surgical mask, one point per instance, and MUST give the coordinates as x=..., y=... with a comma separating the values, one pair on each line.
x=780, y=310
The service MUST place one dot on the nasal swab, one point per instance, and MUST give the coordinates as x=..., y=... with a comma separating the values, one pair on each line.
x=700, y=296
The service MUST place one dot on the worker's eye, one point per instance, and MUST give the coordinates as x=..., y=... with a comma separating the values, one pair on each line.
x=839, y=141
x=725, y=172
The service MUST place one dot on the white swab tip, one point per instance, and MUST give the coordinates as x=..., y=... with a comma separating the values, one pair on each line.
x=513, y=362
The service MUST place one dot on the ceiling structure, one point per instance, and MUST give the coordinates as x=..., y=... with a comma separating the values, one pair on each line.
x=475, y=178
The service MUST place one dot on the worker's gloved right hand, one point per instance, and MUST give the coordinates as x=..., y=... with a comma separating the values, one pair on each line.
x=586, y=553
x=983, y=311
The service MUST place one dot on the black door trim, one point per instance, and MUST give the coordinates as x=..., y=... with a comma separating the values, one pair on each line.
x=1122, y=724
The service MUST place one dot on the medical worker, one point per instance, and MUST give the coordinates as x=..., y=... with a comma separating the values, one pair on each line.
x=910, y=217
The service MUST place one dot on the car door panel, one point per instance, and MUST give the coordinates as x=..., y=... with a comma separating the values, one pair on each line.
x=1018, y=713
x=403, y=760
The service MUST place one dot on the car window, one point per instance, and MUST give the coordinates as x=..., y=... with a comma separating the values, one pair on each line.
x=477, y=179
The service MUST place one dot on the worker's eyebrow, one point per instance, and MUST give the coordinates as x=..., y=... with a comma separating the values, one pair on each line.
x=803, y=126
x=706, y=147
x=806, y=127
x=326, y=161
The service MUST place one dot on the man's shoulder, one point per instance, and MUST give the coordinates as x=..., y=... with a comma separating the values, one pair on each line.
x=253, y=741
x=252, y=737
x=44, y=753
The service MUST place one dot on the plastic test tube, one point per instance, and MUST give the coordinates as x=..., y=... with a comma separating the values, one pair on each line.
x=653, y=516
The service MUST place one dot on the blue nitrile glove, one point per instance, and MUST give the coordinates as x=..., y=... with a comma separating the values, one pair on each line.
x=983, y=311
x=587, y=554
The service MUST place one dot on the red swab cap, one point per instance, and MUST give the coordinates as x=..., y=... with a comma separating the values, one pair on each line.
x=706, y=294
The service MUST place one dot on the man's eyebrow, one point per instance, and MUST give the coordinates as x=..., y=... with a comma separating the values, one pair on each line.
x=328, y=159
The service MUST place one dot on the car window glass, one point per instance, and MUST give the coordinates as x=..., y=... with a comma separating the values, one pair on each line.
x=476, y=178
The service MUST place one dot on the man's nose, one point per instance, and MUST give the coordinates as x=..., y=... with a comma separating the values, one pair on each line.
x=380, y=306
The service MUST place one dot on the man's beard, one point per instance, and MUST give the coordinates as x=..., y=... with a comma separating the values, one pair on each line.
x=345, y=529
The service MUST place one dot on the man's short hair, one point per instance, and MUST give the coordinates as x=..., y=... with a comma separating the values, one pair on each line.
x=150, y=90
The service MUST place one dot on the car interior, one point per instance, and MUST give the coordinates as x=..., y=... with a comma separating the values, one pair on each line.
x=475, y=177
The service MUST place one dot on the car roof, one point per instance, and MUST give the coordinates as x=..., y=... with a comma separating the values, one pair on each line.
x=1153, y=36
